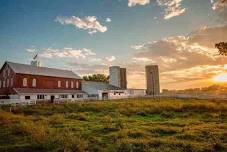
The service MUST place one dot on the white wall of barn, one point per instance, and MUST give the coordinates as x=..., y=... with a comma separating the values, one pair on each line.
x=137, y=92
x=48, y=97
x=114, y=94
x=121, y=94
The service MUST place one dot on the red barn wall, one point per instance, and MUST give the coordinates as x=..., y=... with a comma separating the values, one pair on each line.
x=42, y=82
x=9, y=73
x=46, y=82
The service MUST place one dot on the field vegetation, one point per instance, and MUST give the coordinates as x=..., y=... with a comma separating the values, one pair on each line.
x=130, y=125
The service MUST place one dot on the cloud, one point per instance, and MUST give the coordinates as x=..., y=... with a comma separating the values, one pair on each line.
x=137, y=47
x=208, y=36
x=31, y=50
x=220, y=7
x=218, y=4
x=88, y=52
x=132, y=3
x=192, y=58
x=66, y=53
x=199, y=72
x=143, y=60
x=186, y=51
x=110, y=58
x=225, y=66
x=221, y=77
x=173, y=8
x=108, y=20
x=89, y=23
x=84, y=68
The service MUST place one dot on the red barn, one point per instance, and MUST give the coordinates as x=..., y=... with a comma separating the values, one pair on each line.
x=27, y=82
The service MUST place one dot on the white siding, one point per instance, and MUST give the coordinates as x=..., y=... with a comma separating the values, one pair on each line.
x=77, y=84
x=67, y=84
x=25, y=82
x=7, y=82
x=72, y=84
x=59, y=84
x=34, y=83
x=11, y=82
x=4, y=84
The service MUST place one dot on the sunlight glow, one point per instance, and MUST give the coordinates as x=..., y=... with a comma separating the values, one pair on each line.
x=221, y=77
x=225, y=66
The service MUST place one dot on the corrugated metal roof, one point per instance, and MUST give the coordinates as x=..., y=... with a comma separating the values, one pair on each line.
x=99, y=85
x=45, y=91
x=42, y=71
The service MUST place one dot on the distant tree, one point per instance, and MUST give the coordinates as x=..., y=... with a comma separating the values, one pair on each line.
x=97, y=78
x=222, y=48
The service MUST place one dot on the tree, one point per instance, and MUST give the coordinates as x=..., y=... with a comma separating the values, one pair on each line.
x=222, y=48
x=97, y=78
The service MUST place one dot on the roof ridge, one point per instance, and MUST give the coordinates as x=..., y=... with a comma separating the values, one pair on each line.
x=43, y=71
x=96, y=82
x=38, y=67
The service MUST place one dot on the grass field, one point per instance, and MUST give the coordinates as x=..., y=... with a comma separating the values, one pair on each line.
x=122, y=125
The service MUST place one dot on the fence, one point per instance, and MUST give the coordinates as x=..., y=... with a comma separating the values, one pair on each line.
x=17, y=102
x=196, y=96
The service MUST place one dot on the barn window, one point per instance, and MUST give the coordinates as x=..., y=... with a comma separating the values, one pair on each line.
x=27, y=97
x=11, y=82
x=79, y=95
x=72, y=96
x=4, y=73
x=4, y=84
x=7, y=83
x=66, y=84
x=59, y=84
x=72, y=84
x=77, y=84
x=34, y=82
x=40, y=96
x=25, y=82
x=64, y=96
x=8, y=72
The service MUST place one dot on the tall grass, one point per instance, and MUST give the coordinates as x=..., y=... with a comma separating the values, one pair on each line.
x=133, y=125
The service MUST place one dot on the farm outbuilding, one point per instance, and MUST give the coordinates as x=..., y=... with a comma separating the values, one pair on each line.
x=105, y=91
x=23, y=83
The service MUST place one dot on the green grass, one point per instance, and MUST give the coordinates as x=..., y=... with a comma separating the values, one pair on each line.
x=140, y=125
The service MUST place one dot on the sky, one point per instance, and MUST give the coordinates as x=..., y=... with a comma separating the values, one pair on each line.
x=89, y=36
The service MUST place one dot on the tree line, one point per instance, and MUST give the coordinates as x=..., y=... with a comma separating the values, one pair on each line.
x=97, y=78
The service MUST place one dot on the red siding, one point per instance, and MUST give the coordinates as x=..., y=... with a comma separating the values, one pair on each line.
x=7, y=90
x=42, y=82
x=45, y=82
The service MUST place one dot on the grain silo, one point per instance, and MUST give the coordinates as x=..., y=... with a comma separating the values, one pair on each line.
x=118, y=77
x=152, y=80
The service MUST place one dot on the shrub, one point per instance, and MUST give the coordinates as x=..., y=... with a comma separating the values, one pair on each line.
x=122, y=147
x=70, y=142
x=38, y=132
x=167, y=114
x=135, y=134
x=5, y=117
x=163, y=131
x=77, y=116
x=56, y=119
x=119, y=124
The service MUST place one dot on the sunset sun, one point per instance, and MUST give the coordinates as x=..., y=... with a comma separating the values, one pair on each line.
x=221, y=77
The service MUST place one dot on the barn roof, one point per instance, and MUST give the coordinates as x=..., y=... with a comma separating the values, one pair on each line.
x=99, y=85
x=42, y=71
